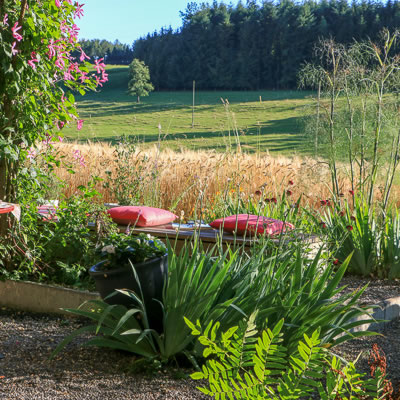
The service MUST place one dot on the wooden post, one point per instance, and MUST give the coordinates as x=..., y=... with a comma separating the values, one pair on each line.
x=194, y=92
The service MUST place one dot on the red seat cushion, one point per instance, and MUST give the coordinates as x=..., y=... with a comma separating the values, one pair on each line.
x=252, y=223
x=141, y=216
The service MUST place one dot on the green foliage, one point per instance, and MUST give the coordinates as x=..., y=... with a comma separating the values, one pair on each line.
x=128, y=174
x=60, y=248
x=244, y=364
x=139, y=79
x=353, y=231
x=252, y=45
x=192, y=289
x=225, y=289
x=358, y=113
x=35, y=81
x=118, y=249
x=390, y=246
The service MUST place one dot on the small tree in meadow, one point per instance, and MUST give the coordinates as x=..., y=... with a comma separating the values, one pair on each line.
x=139, y=79
x=37, y=77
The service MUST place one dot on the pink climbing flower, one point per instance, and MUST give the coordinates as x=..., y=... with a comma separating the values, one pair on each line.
x=33, y=60
x=68, y=76
x=83, y=56
x=52, y=49
x=31, y=154
x=76, y=154
x=79, y=157
x=78, y=11
x=58, y=3
x=14, y=51
x=98, y=81
x=5, y=20
x=79, y=124
x=84, y=77
x=73, y=33
x=15, y=33
x=99, y=65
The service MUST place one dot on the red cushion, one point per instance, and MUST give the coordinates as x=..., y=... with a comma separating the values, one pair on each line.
x=263, y=225
x=141, y=216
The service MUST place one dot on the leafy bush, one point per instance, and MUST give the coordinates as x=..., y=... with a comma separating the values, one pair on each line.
x=226, y=289
x=353, y=231
x=244, y=364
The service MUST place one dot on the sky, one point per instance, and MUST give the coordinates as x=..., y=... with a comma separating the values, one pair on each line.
x=127, y=20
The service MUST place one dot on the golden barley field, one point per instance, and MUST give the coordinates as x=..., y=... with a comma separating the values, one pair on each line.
x=179, y=180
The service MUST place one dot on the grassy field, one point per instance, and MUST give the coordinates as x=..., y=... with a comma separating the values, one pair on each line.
x=260, y=120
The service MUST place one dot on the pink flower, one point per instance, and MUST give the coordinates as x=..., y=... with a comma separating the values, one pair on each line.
x=73, y=33
x=15, y=33
x=291, y=183
x=83, y=56
x=349, y=227
x=84, y=77
x=14, y=51
x=78, y=11
x=52, y=49
x=80, y=124
x=31, y=154
x=33, y=60
x=47, y=140
x=98, y=81
x=76, y=154
x=351, y=192
x=58, y=3
x=68, y=76
x=60, y=124
x=5, y=20
x=99, y=65
x=60, y=139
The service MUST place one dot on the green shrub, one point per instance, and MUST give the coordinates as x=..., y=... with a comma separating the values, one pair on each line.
x=244, y=364
x=226, y=289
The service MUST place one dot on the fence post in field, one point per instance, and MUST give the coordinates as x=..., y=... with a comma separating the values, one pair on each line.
x=194, y=92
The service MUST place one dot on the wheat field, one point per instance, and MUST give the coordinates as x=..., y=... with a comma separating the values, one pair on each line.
x=177, y=180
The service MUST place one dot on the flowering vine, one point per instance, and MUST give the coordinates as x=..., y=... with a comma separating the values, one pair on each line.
x=42, y=65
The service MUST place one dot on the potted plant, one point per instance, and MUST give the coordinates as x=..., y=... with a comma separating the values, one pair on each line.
x=122, y=257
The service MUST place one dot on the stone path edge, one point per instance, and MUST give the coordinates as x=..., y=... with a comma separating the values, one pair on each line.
x=41, y=298
x=385, y=311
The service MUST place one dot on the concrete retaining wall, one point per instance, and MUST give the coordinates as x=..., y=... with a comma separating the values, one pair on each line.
x=37, y=297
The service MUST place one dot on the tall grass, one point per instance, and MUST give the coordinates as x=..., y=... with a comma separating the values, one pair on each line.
x=188, y=181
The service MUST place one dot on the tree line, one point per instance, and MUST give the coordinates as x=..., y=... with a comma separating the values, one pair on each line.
x=113, y=53
x=252, y=46
x=248, y=46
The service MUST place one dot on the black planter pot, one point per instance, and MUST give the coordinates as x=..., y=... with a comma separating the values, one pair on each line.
x=152, y=274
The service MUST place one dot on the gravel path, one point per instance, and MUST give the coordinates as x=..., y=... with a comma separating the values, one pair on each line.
x=26, y=373
x=77, y=373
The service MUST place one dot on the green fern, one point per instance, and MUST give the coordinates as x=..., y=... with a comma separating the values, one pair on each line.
x=243, y=364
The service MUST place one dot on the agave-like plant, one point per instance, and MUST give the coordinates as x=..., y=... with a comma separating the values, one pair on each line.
x=228, y=288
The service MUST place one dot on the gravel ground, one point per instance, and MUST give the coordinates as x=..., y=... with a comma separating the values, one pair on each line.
x=377, y=290
x=77, y=373
x=26, y=373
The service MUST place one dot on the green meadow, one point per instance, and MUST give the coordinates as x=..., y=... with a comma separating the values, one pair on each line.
x=259, y=120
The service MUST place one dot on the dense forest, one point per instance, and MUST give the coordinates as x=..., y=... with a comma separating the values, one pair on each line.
x=253, y=45
x=113, y=53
